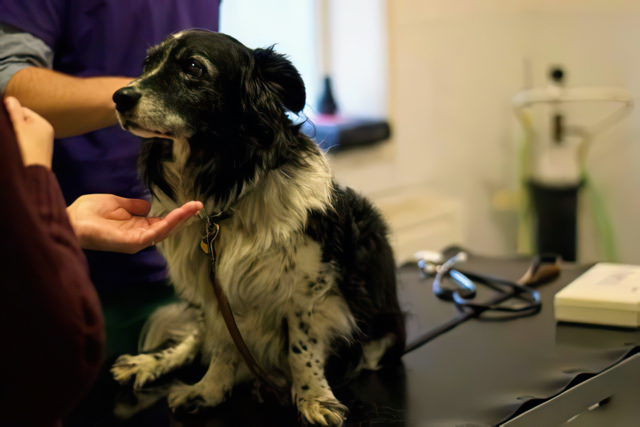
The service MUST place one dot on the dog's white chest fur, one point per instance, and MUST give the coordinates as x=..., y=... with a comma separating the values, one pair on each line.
x=261, y=283
x=266, y=265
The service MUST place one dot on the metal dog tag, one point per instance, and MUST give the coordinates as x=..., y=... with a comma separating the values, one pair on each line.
x=206, y=244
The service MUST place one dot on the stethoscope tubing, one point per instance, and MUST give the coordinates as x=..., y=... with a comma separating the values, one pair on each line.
x=468, y=309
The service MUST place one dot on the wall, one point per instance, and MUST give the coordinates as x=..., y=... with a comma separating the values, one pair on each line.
x=454, y=67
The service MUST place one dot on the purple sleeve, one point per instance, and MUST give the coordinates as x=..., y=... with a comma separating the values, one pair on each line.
x=45, y=19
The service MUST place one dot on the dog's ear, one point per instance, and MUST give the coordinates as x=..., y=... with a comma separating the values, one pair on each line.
x=280, y=77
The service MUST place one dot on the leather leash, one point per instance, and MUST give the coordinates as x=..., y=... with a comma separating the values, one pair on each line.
x=208, y=246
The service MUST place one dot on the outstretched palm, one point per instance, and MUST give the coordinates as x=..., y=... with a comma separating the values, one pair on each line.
x=110, y=223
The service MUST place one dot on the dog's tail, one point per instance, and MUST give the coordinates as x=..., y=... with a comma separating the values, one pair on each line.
x=168, y=326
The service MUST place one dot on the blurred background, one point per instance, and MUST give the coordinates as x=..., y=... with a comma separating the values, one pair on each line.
x=443, y=73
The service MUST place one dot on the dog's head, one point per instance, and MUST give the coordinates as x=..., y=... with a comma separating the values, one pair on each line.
x=226, y=102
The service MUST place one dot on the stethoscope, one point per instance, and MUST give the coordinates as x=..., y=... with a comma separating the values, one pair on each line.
x=458, y=286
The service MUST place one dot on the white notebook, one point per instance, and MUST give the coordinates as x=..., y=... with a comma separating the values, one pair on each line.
x=606, y=294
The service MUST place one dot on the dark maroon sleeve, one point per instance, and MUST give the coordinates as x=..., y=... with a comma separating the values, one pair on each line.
x=51, y=324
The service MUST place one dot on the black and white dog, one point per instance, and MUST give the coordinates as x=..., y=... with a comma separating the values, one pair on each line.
x=304, y=262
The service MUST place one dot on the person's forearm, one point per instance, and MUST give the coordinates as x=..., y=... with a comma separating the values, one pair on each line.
x=49, y=310
x=73, y=105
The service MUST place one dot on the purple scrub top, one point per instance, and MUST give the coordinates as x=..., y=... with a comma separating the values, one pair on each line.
x=106, y=38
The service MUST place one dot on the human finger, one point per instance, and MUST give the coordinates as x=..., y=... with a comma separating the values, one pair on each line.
x=162, y=227
x=186, y=211
x=15, y=110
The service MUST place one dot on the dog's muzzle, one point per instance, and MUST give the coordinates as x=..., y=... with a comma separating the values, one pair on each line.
x=126, y=98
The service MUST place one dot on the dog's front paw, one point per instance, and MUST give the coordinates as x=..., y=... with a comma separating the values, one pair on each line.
x=144, y=366
x=325, y=411
x=193, y=398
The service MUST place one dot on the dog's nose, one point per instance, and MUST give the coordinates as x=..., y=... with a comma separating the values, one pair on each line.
x=126, y=98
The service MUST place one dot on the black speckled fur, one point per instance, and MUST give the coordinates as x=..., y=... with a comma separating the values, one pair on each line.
x=354, y=237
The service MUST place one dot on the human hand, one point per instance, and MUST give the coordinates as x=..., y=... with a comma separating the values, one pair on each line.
x=106, y=222
x=34, y=134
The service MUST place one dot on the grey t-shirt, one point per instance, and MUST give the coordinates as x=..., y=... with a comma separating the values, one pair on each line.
x=19, y=50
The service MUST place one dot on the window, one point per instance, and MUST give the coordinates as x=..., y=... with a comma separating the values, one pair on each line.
x=357, y=45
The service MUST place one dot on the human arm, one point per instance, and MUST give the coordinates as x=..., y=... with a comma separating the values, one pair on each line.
x=74, y=105
x=50, y=314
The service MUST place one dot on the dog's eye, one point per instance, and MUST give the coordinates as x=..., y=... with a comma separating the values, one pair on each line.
x=194, y=68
